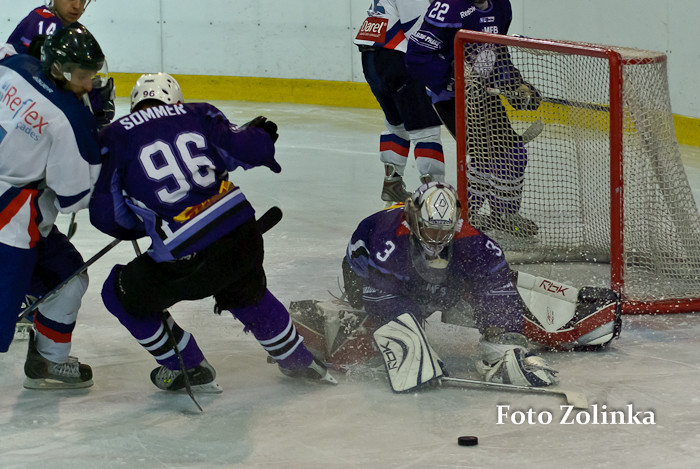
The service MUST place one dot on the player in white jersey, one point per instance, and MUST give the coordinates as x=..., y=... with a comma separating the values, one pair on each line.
x=49, y=162
x=409, y=116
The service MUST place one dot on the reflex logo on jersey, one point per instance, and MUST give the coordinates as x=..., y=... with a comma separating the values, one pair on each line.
x=373, y=29
x=24, y=108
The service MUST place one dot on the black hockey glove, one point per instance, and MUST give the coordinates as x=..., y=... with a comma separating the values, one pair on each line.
x=268, y=126
x=102, y=103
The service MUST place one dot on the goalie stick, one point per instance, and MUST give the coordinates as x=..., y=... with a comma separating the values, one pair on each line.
x=573, y=398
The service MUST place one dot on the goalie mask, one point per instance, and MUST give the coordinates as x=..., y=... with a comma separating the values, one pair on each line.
x=158, y=87
x=433, y=214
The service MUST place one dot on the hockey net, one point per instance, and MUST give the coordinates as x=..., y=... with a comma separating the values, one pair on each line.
x=604, y=179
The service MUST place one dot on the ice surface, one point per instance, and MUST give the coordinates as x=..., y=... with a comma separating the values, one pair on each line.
x=331, y=179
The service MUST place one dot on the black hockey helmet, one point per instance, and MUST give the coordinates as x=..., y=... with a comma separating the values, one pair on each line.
x=70, y=48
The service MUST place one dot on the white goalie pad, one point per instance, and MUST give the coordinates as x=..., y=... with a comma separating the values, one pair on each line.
x=564, y=317
x=409, y=360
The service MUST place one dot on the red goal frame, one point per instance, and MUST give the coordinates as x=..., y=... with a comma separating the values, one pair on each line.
x=615, y=61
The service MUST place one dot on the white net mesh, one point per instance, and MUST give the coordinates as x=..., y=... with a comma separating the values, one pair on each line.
x=560, y=180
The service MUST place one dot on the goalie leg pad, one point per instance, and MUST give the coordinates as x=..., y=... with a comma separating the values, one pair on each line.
x=409, y=359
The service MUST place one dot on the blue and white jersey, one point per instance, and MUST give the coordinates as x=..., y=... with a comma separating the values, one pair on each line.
x=390, y=23
x=162, y=162
x=49, y=157
x=382, y=253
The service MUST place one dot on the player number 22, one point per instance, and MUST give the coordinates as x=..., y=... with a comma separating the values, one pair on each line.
x=172, y=163
x=439, y=10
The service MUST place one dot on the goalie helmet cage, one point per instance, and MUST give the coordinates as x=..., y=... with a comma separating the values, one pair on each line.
x=604, y=179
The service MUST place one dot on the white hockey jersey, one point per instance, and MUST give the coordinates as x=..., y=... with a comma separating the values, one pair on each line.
x=390, y=23
x=49, y=156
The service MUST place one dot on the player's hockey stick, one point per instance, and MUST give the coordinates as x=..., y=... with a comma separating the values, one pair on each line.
x=269, y=219
x=29, y=309
x=265, y=223
x=532, y=132
x=72, y=226
x=173, y=343
x=546, y=99
x=573, y=398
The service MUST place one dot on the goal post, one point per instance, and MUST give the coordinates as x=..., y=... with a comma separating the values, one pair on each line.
x=603, y=178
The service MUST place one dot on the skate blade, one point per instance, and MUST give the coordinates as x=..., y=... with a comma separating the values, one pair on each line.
x=22, y=331
x=208, y=388
x=328, y=379
x=48, y=383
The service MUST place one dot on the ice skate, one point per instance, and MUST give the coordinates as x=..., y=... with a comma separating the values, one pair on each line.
x=394, y=189
x=201, y=377
x=22, y=329
x=316, y=371
x=45, y=374
x=26, y=322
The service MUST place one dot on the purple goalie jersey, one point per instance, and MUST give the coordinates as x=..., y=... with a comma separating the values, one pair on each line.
x=161, y=161
x=397, y=279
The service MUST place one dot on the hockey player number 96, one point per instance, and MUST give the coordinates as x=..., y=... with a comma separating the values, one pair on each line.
x=160, y=161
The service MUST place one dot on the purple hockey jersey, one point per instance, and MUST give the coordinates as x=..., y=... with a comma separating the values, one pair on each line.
x=430, y=52
x=159, y=162
x=39, y=21
x=382, y=253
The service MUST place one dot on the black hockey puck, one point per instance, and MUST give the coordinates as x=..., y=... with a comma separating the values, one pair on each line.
x=467, y=441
